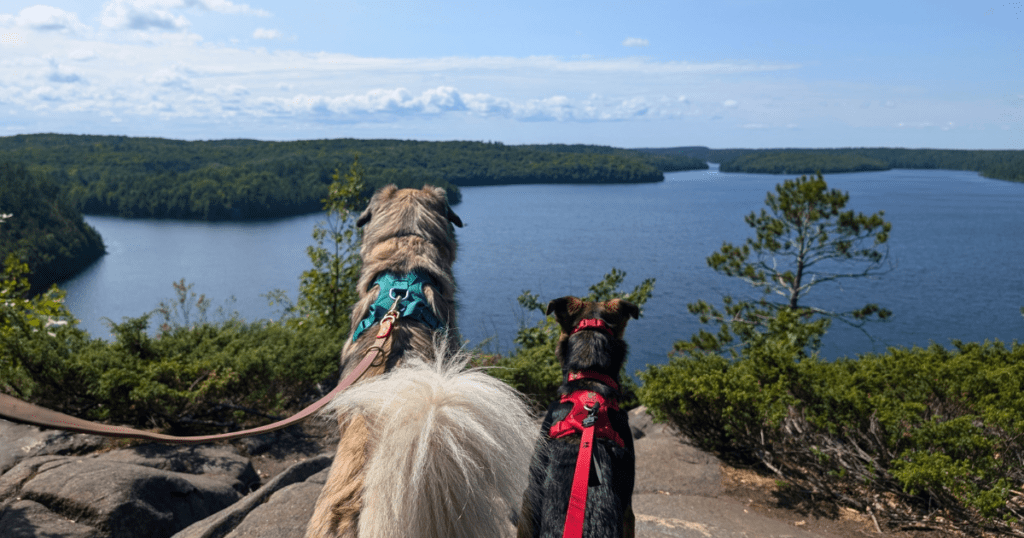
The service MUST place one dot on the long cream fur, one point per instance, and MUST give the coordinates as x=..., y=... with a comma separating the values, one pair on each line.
x=449, y=449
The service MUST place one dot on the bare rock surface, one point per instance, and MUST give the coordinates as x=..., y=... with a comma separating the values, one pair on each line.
x=267, y=487
x=147, y=490
x=18, y=441
x=280, y=508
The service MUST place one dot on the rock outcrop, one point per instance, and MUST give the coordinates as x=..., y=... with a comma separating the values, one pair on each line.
x=55, y=484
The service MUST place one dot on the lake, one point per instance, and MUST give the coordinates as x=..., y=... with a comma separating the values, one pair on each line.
x=957, y=244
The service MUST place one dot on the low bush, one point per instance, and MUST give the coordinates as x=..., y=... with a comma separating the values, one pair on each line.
x=909, y=433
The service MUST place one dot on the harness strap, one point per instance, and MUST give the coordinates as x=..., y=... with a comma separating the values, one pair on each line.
x=409, y=288
x=596, y=324
x=596, y=376
x=575, y=515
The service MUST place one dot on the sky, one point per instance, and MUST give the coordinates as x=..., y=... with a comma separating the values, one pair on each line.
x=723, y=74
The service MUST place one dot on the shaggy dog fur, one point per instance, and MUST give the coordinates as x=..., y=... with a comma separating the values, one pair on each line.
x=449, y=450
x=609, y=509
x=403, y=230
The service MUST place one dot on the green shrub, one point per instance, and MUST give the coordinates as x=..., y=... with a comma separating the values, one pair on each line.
x=208, y=376
x=935, y=429
x=188, y=378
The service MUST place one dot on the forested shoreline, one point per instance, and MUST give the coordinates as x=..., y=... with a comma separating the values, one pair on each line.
x=996, y=164
x=250, y=179
x=41, y=228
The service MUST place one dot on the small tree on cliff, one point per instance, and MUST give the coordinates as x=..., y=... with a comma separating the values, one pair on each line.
x=805, y=237
x=328, y=290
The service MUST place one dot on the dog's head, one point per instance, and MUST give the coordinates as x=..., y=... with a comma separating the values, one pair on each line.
x=592, y=348
x=394, y=212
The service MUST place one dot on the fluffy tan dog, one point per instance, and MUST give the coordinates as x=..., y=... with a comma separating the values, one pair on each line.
x=404, y=230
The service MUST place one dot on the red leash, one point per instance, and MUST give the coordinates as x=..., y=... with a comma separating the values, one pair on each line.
x=578, y=499
x=587, y=417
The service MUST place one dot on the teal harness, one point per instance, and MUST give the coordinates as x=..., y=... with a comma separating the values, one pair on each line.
x=413, y=303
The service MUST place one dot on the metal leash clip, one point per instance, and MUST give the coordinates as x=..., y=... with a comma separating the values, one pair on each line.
x=389, y=319
x=592, y=416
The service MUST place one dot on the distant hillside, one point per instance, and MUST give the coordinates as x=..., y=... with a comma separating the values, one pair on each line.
x=43, y=229
x=250, y=179
x=996, y=164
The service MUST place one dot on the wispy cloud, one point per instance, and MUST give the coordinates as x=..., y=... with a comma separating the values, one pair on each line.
x=264, y=33
x=635, y=42
x=165, y=14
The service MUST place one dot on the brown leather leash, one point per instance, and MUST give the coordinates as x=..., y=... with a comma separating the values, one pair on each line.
x=20, y=411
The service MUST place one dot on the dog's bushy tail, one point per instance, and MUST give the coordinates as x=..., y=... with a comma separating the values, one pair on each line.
x=449, y=450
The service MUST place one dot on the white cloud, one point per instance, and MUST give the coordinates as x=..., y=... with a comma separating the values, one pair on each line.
x=264, y=33
x=81, y=55
x=635, y=42
x=160, y=14
x=59, y=76
x=129, y=15
x=729, y=103
x=176, y=77
x=48, y=19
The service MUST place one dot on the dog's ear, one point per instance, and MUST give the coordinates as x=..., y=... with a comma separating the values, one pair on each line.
x=453, y=217
x=565, y=309
x=384, y=193
x=365, y=217
x=624, y=307
x=442, y=196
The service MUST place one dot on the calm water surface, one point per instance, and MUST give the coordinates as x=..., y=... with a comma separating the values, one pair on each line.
x=957, y=244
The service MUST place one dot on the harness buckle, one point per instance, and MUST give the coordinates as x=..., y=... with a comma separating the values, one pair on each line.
x=592, y=415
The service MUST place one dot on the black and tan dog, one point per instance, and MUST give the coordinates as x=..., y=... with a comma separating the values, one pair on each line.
x=591, y=352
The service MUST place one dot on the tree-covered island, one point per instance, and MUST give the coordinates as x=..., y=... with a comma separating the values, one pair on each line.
x=995, y=164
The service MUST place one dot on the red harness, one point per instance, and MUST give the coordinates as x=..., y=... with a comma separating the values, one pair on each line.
x=589, y=416
x=583, y=402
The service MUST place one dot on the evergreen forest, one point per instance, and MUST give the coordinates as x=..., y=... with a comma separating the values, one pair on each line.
x=42, y=229
x=250, y=179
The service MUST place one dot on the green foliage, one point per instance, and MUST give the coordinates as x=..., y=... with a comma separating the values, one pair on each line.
x=178, y=313
x=804, y=238
x=42, y=228
x=328, y=290
x=722, y=403
x=204, y=377
x=29, y=325
x=533, y=368
x=933, y=428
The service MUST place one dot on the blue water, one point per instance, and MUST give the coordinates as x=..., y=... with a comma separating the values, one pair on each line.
x=957, y=244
